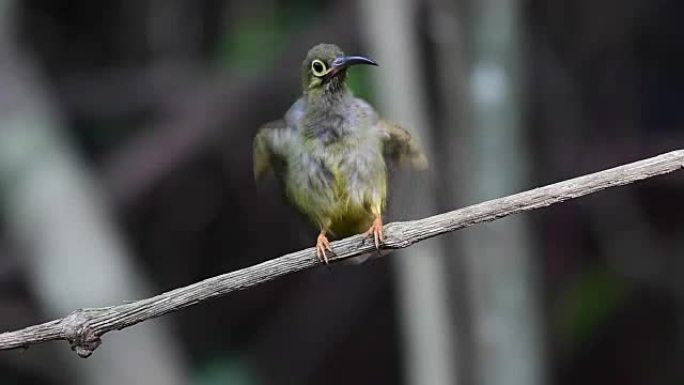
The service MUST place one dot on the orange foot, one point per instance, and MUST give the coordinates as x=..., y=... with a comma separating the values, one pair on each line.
x=376, y=231
x=322, y=244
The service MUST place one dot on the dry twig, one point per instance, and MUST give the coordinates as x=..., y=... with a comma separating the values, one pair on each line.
x=83, y=328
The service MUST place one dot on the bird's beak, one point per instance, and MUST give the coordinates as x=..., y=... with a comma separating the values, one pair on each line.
x=341, y=63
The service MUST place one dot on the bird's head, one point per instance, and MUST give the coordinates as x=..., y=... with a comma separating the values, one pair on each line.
x=325, y=67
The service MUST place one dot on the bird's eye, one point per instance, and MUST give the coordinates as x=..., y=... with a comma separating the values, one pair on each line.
x=318, y=68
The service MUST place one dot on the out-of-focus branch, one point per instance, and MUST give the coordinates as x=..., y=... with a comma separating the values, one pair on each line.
x=55, y=214
x=83, y=328
x=507, y=338
x=424, y=304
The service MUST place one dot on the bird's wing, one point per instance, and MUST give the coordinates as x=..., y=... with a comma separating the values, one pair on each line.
x=270, y=146
x=400, y=147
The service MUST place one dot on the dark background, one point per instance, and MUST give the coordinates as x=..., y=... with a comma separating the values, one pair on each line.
x=125, y=170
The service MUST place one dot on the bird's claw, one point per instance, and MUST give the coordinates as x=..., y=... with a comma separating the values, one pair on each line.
x=322, y=244
x=376, y=231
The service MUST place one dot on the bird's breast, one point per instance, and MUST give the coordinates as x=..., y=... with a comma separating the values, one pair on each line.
x=338, y=180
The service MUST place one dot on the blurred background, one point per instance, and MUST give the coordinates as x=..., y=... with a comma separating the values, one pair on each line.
x=125, y=171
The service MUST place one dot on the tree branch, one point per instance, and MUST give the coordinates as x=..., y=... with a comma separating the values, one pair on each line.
x=83, y=328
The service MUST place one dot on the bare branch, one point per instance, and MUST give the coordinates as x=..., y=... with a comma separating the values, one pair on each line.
x=83, y=328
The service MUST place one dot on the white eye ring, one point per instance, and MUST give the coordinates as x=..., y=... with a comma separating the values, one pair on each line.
x=319, y=68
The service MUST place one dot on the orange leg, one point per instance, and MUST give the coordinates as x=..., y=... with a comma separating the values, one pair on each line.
x=322, y=244
x=376, y=231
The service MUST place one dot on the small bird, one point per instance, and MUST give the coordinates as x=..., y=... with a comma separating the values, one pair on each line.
x=330, y=151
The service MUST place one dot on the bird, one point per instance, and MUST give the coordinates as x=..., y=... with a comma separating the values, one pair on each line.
x=331, y=151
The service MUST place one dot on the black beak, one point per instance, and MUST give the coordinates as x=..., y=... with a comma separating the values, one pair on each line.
x=341, y=63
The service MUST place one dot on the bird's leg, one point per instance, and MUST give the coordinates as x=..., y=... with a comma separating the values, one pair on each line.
x=376, y=229
x=322, y=244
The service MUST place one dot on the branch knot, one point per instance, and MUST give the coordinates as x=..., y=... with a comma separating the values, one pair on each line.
x=78, y=331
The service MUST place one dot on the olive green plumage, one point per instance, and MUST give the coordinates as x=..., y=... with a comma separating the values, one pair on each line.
x=331, y=147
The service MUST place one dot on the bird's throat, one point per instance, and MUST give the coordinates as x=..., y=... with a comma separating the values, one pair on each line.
x=324, y=118
x=328, y=93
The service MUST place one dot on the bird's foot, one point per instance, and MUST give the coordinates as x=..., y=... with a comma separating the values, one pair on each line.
x=322, y=244
x=376, y=231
